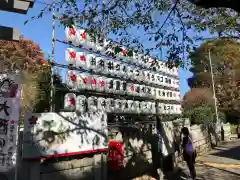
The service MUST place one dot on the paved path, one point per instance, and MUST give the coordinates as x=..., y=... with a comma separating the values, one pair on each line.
x=223, y=163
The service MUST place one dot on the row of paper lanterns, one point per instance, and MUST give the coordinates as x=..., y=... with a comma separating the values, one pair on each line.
x=81, y=37
x=147, y=77
x=92, y=104
x=105, y=65
x=83, y=81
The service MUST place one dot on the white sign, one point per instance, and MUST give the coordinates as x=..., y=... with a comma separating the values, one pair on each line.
x=63, y=134
x=9, y=120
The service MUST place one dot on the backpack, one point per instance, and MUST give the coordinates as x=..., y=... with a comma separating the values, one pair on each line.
x=189, y=146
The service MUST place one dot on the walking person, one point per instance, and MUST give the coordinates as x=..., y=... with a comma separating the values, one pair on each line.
x=189, y=153
x=238, y=131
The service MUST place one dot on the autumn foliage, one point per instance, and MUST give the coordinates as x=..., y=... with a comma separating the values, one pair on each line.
x=27, y=57
x=226, y=70
x=23, y=54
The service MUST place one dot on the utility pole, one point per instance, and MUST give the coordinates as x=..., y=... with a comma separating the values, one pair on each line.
x=213, y=88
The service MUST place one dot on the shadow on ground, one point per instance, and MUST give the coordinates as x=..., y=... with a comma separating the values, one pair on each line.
x=232, y=153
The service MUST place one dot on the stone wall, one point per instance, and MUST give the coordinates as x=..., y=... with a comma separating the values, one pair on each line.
x=141, y=154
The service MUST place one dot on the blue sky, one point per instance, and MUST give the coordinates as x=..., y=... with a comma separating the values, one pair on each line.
x=40, y=31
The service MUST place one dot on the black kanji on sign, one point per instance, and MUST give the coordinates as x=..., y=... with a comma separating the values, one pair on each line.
x=3, y=126
x=137, y=89
x=4, y=107
x=124, y=86
x=153, y=77
x=103, y=103
x=143, y=89
x=124, y=68
x=110, y=84
x=137, y=72
x=117, y=67
x=101, y=63
x=117, y=85
x=93, y=62
x=110, y=65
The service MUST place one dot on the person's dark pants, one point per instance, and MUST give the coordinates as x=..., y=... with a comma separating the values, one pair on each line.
x=190, y=160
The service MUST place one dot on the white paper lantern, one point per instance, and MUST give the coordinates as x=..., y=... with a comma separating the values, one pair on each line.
x=175, y=71
x=70, y=102
x=130, y=72
x=162, y=67
x=130, y=106
x=110, y=105
x=161, y=108
x=175, y=83
x=94, y=82
x=81, y=60
x=123, y=87
x=109, y=85
x=123, y=71
x=125, y=107
x=143, y=91
x=91, y=62
x=100, y=44
x=81, y=103
x=83, y=81
x=71, y=56
x=137, y=74
x=117, y=68
x=179, y=109
x=160, y=80
x=153, y=108
x=171, y=111
x=167, y=108
x=147, y=77
x=71, y=79
x=130, y=89
x=123, y=54
x=109, y=67
x=100, y=65
x=101, y=84
x=71, y=33
x=164, y=94
x=153, y=78
x=136, y=90
x=135, y=57
x=81, y=38
x=148, y=91
x=153, y=92
x=109, y=48
x=116, y=86
x=150, y=62
x=101, y=104
x=118, y=105
x=165, y=81
x=137, y=106
x=92, y=104
x=91, y=41
x=144, y=107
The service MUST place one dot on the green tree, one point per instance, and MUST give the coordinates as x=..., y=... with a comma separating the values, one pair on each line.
x=224, y=54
